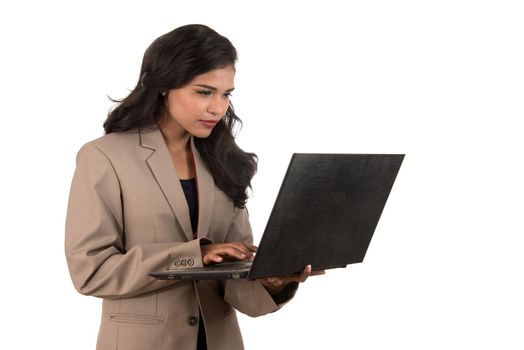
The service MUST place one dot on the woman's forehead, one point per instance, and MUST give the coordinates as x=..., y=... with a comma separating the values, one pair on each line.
x=221, y=77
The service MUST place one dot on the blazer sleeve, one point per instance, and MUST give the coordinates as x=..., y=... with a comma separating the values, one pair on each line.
x=97, y=260
x=251, y=297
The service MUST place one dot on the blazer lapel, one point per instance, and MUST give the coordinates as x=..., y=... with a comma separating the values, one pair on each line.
x=164, y=172
x=206, y=192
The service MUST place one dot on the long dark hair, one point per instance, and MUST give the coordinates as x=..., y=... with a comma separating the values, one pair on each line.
x=170, y=62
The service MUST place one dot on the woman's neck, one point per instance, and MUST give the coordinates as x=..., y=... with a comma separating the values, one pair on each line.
x=175, y=137
x=179, y=147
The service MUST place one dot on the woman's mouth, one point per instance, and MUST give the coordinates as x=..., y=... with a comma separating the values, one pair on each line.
x=210, y=124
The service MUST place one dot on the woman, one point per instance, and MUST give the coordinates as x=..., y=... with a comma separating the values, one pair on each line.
x=165, y=188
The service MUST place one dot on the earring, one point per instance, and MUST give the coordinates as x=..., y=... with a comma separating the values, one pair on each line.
x=164, y=93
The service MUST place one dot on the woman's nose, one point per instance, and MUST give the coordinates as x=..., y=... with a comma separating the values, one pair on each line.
x=218, y=106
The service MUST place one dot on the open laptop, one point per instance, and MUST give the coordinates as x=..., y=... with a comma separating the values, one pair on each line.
x=325, y=214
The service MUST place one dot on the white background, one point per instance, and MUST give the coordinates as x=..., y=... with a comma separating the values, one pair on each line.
x=441, y=81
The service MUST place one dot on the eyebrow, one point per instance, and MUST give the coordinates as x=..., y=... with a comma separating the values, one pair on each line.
x=212, y=87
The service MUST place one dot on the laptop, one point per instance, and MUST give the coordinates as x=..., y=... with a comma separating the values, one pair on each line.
x=325, y=215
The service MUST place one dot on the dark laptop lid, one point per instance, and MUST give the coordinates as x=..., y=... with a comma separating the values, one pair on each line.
x=326, y=212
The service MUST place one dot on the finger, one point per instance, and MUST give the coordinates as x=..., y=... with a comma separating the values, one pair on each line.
x=212, y=258
x=245, y=248
x=305, y=274
x=274, y=282
x=318, y=273
x=307, y=270
x=248, y=248
x=232, y=252
x=251, y=247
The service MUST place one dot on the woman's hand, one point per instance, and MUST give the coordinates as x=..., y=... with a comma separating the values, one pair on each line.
x=217, y=252
x=275, y=285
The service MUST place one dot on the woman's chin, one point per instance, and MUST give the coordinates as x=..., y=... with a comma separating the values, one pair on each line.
x=201, y=134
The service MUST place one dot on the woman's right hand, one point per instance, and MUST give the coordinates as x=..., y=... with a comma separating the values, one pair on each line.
x=217, y=252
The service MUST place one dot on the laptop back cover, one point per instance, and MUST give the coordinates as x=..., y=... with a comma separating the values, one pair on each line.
x=326, y=212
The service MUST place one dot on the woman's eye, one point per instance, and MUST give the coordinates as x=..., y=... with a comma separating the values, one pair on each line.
x=208, y=93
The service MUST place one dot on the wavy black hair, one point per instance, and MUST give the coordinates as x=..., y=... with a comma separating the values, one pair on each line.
x=170, y=62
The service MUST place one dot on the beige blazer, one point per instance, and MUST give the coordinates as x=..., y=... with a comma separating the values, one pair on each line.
x=128, y=216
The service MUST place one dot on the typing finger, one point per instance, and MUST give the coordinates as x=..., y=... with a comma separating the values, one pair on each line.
x=233, y=252
x=212, y=258
x=251, y=247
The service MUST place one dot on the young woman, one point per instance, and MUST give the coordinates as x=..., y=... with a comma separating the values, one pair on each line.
x=165, y=188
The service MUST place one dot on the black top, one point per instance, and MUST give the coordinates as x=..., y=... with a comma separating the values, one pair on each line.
x=190, y=191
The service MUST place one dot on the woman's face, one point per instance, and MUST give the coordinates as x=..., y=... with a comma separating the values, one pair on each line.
x=198, y=106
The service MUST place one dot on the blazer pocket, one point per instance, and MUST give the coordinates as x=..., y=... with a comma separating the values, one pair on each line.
x=136, y=319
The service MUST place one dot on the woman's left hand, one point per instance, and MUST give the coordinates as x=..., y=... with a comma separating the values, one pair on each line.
x=275, y=285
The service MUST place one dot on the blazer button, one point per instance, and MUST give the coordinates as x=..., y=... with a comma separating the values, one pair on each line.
x=176, y=262
x=193, y=321
x=183, y=262
x=190, y=262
